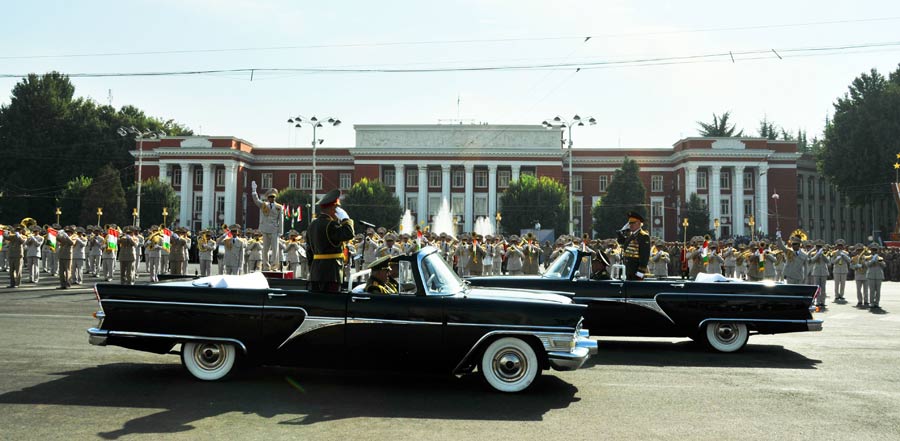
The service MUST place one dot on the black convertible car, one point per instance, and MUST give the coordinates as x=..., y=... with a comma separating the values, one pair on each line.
x=722, y=314
x=437, y=323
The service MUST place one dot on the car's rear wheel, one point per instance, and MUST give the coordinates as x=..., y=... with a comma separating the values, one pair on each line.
x=208, y=361
x=726, y=336
x=509, y=364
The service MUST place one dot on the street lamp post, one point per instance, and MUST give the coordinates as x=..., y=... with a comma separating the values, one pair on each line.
x=751, y=222
x=298, y=122
x=165, y=214
x=560, y=123
x=58, y=212
x=99, y=213
x=140, y=135
x=498, y=218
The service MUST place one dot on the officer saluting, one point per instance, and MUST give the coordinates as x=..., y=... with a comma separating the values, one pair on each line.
x=326, y=236
x=636, y=247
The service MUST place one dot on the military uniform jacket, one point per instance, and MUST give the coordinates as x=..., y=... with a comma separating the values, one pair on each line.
x=514, y=258
x=382, y=251
x=33, y=246
x=715, y=263
x=794, y=262
x=64, y=245
x=177, y=244
x=271, y=215
x=13, y=243
x=660, y=263
x=373, y=286
x=96, y=245
x=326, y=237
x=730, y=258
x=255, y=248
x=819, y=263
x=127, y=243
x=875, y=267
x=205, y=249
x=293, y=251
x=78, y=251
x=859, y=266
x=840, y=262
x=234, y=251
x=636, y=249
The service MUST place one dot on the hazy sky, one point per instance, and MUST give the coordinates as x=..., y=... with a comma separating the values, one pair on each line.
x=636, y=106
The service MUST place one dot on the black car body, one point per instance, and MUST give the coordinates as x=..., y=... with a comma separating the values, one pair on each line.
x=723, y=314
x=437, y=324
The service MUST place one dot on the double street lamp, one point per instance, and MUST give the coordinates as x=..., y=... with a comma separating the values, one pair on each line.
x=560, y=123
x=298, y=122
x=140, y=135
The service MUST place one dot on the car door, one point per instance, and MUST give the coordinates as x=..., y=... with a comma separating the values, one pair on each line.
x=305, y=328
x=651, y=305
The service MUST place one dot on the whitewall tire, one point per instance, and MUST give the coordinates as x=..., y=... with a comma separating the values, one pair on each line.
x=208, y=361
x=726, y=336
x=509, y=365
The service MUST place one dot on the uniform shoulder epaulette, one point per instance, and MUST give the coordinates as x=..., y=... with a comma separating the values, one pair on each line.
x=644, y=232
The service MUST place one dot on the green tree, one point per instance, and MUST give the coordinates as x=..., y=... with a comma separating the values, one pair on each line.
x=154, y=196
x=294, y=198
x=698, y=217
x=719, y=127
x=69, y=201
x=530, y=200
x=768, y=129
x=105, y=192
x=371, y=201
x=863, y=138
x=625, y=193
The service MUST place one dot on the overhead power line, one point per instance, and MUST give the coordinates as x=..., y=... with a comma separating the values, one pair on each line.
x=583, y=38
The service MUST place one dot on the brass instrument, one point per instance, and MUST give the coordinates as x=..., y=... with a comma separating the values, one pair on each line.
x=799, y=233
x=28, y=223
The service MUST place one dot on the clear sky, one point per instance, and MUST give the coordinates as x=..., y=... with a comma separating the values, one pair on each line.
x=636, y=106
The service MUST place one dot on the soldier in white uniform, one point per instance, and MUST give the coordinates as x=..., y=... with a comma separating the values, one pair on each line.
x=271, y=224
x=256, y=253
x=292, y=251
x=875, y=275
x=33, y=254
x=840, y=264
x=154, y=245
x=3, y=251
x=858, y=263
x=730, y=256
x=78, y=256
x=794, y=260
x=234, y=251
x=205, y=248
x=515, y=257
x=819, y=271
x=659, y=260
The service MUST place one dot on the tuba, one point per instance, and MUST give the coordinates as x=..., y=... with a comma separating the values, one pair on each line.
x=799, y=233
x=28, y=223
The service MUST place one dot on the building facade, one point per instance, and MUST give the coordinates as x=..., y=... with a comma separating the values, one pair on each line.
x=467, y=167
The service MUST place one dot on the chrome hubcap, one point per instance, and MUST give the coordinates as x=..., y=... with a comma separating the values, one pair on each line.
x=726, y=333
x=510, y=365
x=209, y=356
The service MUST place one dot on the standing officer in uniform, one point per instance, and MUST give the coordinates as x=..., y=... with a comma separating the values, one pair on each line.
x=874, y=275
x=271, y=224
x=636, y=245
x=795, y=260
x=326, y=236
x=64, y=249
x=819, y=270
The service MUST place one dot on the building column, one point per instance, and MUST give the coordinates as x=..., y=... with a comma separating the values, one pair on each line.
x=187, y=191
x=165, y=171
x=492, y=195
x=445, y=185
x=206, y=212
x=715, y=195
x=737, y=201
x=690, y=182
x=514, y=176
x=422, y=215
x=762, y=198
x=230, y=192
x=400, y=184
x=470, y=197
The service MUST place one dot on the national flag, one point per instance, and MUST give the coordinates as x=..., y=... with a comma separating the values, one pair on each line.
x=51, y=238
x=112, y=239
x=167, y=239
x=762, y=259
x=287, y=211
x=419, y=237
x=228, y=233
x=704, y=252
x=299, y=214
x=1, y=240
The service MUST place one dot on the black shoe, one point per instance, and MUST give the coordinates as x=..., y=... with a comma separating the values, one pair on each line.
x=859, y=305
x=62, y=287
x=10, y=286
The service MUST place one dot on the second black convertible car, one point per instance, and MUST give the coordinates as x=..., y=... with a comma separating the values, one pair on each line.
x=436, y=324
x=722, y=314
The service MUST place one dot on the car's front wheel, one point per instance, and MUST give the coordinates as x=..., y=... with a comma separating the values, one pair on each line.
x=726, y=336
x=208, y=361
x=509, y=364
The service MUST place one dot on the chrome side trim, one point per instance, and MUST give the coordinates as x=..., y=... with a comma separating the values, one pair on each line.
x=547, y=336
x=811, y=324
x=652, y=305
x=494, y=325
x=159, y=302
x=101, y=333
x=767, y=296
x=366, y=320
x=312, y=323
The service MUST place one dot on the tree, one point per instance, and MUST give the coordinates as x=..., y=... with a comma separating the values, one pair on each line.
x=530, y=200
x=154, y=196
x=698, y=217
x=625, y=193
x=863, y=138
x=768, y=130
x=371, y=201
x=719, y=127
x=69, y=201
x=105, y=192
x=295, y=198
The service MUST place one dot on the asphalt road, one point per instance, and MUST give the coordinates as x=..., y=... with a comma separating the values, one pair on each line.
x=841, y=384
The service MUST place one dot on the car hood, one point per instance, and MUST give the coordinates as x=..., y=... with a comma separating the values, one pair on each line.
x=516, y=295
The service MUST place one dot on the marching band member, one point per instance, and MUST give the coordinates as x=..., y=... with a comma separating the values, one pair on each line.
x=659, y=260
x=858, y=262
x=154, y=252
x=840, y=266
x=78, y=256
x=126, y=243
x=64, y=252
x=255, y=247
x=515, y=257
x=820, y=271
x=292, y=250
x=874, y=275
x=14, y=242
x=33, y=254
x=177, y=244
x=730, y=256
x=205, y=248
x=234, y=251
x=795, y=259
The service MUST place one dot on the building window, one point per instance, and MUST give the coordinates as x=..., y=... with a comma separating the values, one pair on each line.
x=387, y=176
x=821, y=189
x=725, y=180
x=434, y=204
x=220, y=207
x=529, y=172
x=748, y=208
x=434, y=178
x=412, y=202
x=604, y=182
x=458, y=178
x=305, y=183
x=220, y=177
x=811, y=186
x=656, y=208
x=725, y=207
x=481, y=205
x=656, y=183
x=198, y=204
x=503, y=178
x=176, y=177
x=345, y=181
x=292, y=180
x=576, y=182
x=799, y=187
x=412, y=177
x=266, y=181
x=701, y=179
x=748, y=179
x=481, y=178
x=198, y=176
x=458, y=204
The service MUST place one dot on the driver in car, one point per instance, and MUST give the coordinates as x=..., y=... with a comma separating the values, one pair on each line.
x=380, y=280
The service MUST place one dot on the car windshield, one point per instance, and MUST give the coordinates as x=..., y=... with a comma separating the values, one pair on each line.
x=561, y=268
x=438, y=277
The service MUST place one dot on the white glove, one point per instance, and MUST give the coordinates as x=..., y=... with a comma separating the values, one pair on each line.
x=778, y=234
x=175, y=235
x=341, y=214
x=639, y=274
x=253, y=186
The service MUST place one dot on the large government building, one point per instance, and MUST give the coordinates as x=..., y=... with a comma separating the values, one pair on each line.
x=469, y=166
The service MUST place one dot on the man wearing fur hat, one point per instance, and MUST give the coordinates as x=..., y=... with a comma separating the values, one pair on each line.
x=271, y=225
